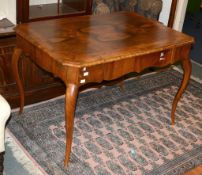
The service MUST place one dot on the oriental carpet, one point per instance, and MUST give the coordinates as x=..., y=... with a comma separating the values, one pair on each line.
x=122, y=132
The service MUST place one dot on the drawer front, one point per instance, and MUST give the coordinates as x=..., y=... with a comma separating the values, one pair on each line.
x=116, y=69
x=158, y=59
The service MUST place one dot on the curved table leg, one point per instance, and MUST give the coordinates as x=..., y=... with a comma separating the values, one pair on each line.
x=15, y=60
x=186, y=65
x=70, y=103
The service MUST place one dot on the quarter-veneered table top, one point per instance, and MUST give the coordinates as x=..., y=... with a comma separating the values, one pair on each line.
x=89, y=40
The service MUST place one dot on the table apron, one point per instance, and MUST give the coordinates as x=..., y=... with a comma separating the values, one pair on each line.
x=104, y=71
x=119, y=68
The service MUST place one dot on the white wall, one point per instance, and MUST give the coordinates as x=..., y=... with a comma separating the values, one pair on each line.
x=2, y=9
x=11, y=10
x=180, y=14
x=8, y=10
x=164, y=15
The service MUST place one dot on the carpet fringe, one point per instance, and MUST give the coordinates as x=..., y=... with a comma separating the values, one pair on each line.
x=20, y=156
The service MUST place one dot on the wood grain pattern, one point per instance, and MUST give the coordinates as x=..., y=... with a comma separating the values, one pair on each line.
x=97, y=48
x=100, y=40
x=70, y=101
x=195, y=171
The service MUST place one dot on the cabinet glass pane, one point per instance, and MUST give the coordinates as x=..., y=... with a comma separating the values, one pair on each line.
x=50, y=8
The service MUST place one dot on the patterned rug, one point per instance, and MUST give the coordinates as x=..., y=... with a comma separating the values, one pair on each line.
x=122, y=132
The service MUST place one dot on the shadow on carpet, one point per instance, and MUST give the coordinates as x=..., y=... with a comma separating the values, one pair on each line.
x=118, y=132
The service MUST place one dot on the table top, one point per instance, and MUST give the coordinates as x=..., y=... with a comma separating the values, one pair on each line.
x=91, y=40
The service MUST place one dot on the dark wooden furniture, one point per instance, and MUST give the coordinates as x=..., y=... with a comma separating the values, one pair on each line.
x=27, y=12
x=7, y=44
x=97, y=48
x=39, y=85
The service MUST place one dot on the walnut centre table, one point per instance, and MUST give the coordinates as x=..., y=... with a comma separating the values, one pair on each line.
x=86, y=49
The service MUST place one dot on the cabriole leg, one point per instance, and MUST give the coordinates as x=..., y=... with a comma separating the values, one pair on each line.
x=15, y=67
x=70, y=102
x=186, y=65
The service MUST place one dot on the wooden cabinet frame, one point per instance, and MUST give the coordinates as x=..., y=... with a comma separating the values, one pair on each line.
x=172, y=13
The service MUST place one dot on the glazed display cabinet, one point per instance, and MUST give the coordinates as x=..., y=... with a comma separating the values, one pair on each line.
x=34, y=10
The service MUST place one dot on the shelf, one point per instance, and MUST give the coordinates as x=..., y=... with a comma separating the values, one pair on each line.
x=54, y=9
x=28, y=10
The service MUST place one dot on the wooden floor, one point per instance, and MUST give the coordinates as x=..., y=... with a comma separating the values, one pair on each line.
x=195, y=171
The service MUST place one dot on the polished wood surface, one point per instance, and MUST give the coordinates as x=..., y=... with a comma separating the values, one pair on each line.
x=195, y=171
x=98, y=40
x=186, y=65
x=97, y=48
x=70, y=102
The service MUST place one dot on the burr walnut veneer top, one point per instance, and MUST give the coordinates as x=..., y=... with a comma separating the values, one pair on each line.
x=89, y=40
